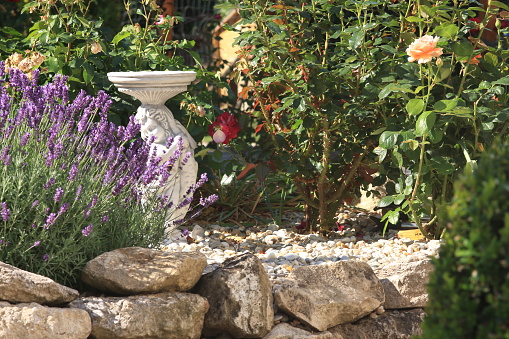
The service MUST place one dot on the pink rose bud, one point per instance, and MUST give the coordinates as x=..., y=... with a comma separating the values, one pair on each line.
x=219, y=136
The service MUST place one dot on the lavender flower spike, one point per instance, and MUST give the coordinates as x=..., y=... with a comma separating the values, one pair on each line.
x=87, y=230
x=6, y=213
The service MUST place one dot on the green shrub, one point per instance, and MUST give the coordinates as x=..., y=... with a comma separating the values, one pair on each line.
x=469, y=290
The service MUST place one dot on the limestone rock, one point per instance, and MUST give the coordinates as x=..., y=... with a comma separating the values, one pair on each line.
x=287, y=331
x=405, y=283
x=33, y=321
x=170, y=315
x=136, y=270
x=240, y=297
x=323, y=296
x=19, y=286
x=390, y=325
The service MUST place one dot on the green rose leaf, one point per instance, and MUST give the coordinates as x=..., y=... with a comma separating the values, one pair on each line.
x=386, y=201
x=442, y=165
x=445, y=105
x=415, y=106
x=425, y=123
x=381, y=152
x=388, y=139
x=412, y=143
x=414, y=19
x=447, y=30
x=397, y=158
x=502, y=81
x=120, y=36
x=491, y=58
x=356, y=40
x=462, y=48
x=399, y=199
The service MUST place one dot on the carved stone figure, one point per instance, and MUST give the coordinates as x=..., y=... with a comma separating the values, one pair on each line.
x=153, y=89
x=157, y=122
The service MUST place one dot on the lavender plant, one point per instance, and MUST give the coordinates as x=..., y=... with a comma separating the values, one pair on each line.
x=74, y=185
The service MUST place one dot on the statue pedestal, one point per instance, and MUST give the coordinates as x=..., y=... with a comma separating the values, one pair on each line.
x=153, y=89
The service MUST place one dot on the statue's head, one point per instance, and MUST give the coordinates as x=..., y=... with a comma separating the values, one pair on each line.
x=154, y=122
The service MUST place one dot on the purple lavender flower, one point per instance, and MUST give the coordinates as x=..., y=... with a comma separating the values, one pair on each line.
x=104, y=219
x=199, y=183
x=63, y=208
x=37, y=243
x=73, y=172
x=50, y=220
x=58, y=194
x=45, y=257
x=50, y=182
x=208, y=200
x=78, y=192
x=87, y=230
x=94, y=201
x=6, y=213
x=24, y=139
x=185, y=202
x=7, y=160
x=185, y=160
x=5, y=156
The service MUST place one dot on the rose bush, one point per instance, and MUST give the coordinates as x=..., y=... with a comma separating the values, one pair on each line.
x=441, y=113
x=335, y=81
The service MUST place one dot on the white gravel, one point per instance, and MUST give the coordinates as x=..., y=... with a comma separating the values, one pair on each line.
x=281, y=248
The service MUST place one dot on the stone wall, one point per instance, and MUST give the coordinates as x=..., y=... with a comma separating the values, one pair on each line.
x=145, y=293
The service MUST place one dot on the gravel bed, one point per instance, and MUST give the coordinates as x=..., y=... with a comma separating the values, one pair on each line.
x=281, y=248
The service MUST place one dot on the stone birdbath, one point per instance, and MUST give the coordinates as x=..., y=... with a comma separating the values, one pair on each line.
x=153, y=89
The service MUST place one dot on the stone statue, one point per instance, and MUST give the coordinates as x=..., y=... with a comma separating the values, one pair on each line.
x=153, y=89
x=158, y=122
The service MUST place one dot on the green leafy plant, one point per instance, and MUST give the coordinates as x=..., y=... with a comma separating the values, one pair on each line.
x=468, y=291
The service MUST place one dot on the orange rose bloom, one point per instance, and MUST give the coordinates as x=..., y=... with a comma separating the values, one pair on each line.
x=423, y=49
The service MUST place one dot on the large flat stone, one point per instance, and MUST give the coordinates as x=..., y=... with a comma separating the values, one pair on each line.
x=34, y=321
x=323, y=296
x=405, y=283
x=240, y=297
x=136, y=270
x=287, y=331
x=19, y=286
x=391, y=325
x=155, y=316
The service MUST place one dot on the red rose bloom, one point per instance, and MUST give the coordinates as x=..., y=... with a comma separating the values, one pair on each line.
x=224, y=128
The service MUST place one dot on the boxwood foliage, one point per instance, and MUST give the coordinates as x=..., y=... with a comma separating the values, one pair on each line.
x=469, y=289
